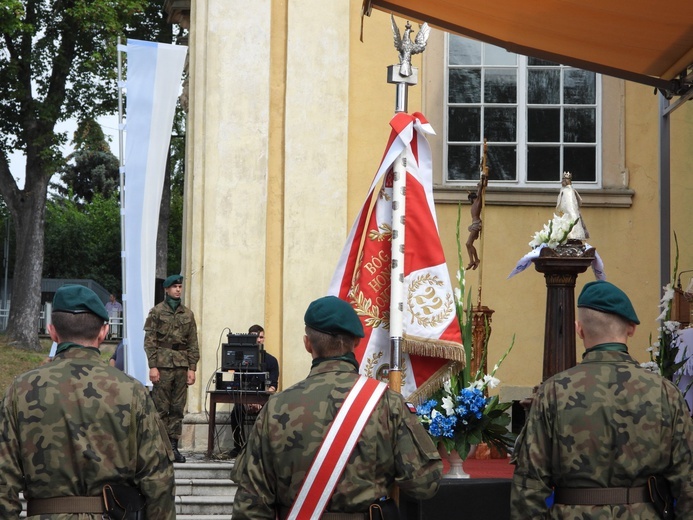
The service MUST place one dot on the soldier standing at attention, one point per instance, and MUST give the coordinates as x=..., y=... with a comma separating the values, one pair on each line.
x=75, y=424
x=392, y=447
x=170, y=342
x=597, y=432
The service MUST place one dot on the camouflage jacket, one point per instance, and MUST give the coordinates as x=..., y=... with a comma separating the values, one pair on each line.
x=170, y=337
x=603, y=423
x=75, y=424
x=393, y=448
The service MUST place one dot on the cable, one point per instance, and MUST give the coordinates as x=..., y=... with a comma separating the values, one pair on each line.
x=216, y=435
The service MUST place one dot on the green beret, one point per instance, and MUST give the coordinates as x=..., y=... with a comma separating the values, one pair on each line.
x=331, y=315
x=174, y=278
x=606, y=297
x=77, y=299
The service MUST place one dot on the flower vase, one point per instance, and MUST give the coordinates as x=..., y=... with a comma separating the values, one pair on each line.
x=456, y=470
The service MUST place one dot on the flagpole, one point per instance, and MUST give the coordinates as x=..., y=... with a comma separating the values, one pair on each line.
x=401, y=75
x=121, y=171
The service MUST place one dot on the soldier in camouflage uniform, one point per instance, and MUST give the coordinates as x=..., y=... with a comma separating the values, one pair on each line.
x=393, y=447
x=170, y=342
x=76, y=423
x=604, y=424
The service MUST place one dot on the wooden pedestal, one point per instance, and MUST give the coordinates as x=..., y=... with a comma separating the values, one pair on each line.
x=561, y=267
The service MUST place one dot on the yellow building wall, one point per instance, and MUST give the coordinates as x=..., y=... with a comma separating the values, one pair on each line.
x=627, y=239
x=287, y=126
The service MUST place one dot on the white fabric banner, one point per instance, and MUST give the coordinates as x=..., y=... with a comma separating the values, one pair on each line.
x=153, y=83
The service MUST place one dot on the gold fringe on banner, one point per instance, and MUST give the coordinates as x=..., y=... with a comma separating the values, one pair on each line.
x=435, y=382
x=434, y=348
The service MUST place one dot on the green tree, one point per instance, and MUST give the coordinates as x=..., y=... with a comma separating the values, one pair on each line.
x=175, y=222
x=83, y=240
x=91, y=168
x=57, y=61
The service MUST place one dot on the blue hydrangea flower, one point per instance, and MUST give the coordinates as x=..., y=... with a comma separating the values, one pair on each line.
x=442, y=426
x=425, y=408
x=470, y=403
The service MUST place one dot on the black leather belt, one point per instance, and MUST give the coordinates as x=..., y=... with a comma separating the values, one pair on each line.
x=330, y=516
x=602, y=496
x=174, y=346
x=64, y=505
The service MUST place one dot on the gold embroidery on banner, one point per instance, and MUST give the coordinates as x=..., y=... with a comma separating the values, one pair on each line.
x=426, y=307
x=382, y=194
x=368, y=368
x=385, y=233
x=365, y=307
x=369, y=365
x=383, y=373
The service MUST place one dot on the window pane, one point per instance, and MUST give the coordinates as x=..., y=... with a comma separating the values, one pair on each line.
x=544, y=86
x=463, y=163
x=491, y=92
x=496, y=56
x=462, y=51
x=464, y=124
x=579, y=125
x=543, y=125
x=500, y=86
x=500, y=124
x=502, y=163
x=581, y=162
x=543, y=163
x=579, y=87
x=464, y=86
x=536, y=61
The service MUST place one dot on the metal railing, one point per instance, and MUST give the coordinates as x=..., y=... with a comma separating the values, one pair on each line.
x=115, y=322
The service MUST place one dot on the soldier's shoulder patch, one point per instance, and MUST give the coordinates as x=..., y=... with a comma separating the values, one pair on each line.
x=411, y=407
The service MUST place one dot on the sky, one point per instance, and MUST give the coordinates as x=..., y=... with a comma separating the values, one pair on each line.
x=109, y=125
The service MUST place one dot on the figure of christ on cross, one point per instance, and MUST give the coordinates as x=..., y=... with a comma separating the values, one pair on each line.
x=477, y=201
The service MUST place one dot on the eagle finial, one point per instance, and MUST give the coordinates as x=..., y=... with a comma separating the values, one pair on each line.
x=406, y=47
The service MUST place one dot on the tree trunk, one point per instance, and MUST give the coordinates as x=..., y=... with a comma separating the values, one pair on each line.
x=29, y=214
x=161, y=269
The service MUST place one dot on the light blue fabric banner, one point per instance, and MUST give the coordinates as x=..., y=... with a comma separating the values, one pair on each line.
x=154, y=72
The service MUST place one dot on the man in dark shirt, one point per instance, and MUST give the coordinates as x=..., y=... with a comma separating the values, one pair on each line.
x=241, y=414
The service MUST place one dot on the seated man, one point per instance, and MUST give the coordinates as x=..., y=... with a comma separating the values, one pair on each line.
x=240, y=412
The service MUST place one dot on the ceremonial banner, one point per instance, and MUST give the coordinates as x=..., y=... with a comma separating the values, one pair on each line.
x=153, y=82
x=431, y=334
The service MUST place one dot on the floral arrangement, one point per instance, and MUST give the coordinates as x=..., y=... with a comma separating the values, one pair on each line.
x=665, y=356
x=555, y=232
x=460, y=415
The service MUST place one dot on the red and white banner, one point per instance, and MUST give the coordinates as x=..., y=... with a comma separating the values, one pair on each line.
x=431, y=334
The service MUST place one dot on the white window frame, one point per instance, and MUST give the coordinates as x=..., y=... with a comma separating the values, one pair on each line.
x=521, y=66
x=613, y=176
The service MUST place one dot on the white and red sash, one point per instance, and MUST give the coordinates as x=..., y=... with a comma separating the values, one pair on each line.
x=336, y=448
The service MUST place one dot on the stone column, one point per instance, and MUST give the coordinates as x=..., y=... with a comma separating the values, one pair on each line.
x=561, y=267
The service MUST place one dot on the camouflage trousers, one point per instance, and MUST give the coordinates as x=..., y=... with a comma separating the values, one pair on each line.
x=170, y=395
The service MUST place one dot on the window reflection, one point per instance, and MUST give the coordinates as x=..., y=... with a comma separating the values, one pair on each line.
x=537, y=115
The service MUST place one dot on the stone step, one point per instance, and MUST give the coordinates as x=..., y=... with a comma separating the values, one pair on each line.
x=197, y=470
x=204, y=505
x=203, y=517
x=205, y=486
